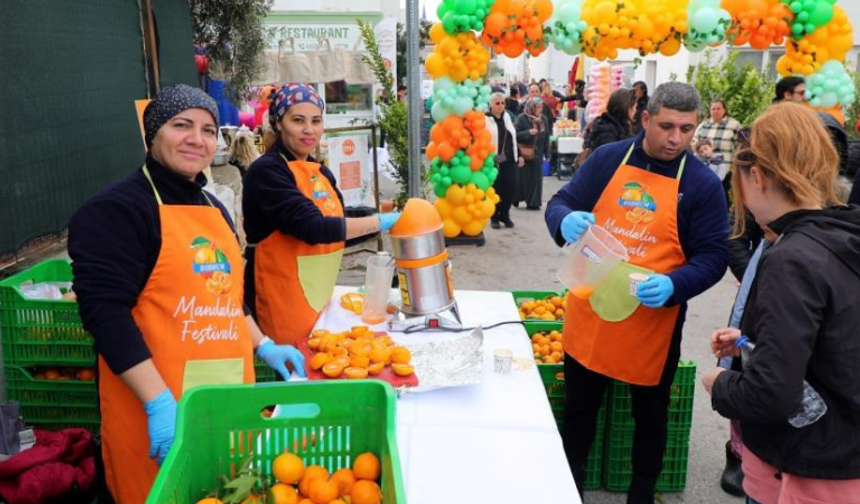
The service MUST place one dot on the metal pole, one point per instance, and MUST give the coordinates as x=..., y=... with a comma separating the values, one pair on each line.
x=376, y=181
x=413, y=87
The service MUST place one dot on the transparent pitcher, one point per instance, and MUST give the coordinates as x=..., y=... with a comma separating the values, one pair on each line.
x=377, y=285
x=588, y=261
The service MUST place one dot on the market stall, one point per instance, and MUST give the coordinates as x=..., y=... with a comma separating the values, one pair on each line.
x=483, y=443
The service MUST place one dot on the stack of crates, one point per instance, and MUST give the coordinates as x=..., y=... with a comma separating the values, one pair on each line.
x=618, y=468
x=552, y=376
x=609, y=462
x=40, y=335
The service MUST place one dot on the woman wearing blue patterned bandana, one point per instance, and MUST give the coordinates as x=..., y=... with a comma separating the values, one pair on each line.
x=294, y=221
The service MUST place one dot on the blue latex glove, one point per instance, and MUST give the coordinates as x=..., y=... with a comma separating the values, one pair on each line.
x=574, y=224
x=386, y=220
x=161, y=419
x=275, y=357
x=655, y=291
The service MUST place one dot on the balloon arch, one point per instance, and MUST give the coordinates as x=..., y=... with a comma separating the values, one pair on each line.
x=816, y=33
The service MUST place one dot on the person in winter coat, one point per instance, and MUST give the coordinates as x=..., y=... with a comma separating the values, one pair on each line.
x=640, y=89
x=614, y=124
x=508, y=158
x=800, y=315
x=532, y=131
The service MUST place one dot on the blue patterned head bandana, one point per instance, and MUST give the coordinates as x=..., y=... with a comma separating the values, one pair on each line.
x=289, y=95
x=171, y=101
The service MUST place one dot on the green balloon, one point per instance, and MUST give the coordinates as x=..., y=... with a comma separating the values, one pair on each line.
x=797, y=29
x=461, y=174
x=466, y=7
x=449, y=25
x=822, y=14
x=480, y=180
x=796, y=7
x=440, y=190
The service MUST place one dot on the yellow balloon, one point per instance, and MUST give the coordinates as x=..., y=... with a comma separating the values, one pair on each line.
x=444, y=208
x=435, y=65
x=488, y=208
x=461, y=216
x=450, y=228
x=474, y=228
x=456, y=195
x=437, y=33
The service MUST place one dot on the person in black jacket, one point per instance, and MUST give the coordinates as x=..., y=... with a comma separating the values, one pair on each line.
x=801, y=316
x=614, y=124
x=532, y=135
x=640, y=89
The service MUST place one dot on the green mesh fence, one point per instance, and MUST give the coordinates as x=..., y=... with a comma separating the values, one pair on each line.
x=175, y=44
x=70, y=72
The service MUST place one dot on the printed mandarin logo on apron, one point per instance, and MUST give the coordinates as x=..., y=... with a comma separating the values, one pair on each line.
x=320, y=193
x=641, y=204
x=211, y=263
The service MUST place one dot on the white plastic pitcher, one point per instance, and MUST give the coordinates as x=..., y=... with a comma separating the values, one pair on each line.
x=588, y=261
x=377, y=285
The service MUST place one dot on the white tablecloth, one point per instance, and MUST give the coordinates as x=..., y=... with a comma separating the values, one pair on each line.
x=494, y=442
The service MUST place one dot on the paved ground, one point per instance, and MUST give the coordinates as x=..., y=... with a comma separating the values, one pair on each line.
x=525, y=258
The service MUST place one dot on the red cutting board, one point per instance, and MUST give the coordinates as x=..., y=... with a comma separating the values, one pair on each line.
x=386, y=375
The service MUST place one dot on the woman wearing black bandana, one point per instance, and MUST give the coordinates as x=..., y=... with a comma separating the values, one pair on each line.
x=158, y=276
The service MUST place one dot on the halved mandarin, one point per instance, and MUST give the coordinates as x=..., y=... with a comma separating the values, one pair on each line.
x=355, y=373
x=319, y=360
x=380, y=354
x=375, y=368
x=402, y=369
x=400, y=355
x=358, y=361
x=332, y=369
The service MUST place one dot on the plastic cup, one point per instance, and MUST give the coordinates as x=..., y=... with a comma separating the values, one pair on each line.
x=636, y=279
x=377, y=284
x=502, y=358
x=589, y=260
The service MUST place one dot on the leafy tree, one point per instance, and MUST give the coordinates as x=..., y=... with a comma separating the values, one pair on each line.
x=746, y=90
x=393, y=121
x=234, y=33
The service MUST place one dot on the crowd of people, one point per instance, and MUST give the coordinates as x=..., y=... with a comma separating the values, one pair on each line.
x=791, y=241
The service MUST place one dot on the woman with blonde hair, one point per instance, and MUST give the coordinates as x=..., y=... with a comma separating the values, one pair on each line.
x=800, y=316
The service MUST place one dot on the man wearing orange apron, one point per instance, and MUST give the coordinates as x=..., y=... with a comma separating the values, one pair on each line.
x=669, y=212
x=159, y=280
x=294, y=221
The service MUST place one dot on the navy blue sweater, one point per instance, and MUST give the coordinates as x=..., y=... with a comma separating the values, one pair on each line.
x=114, y=242
x=271, y=202
x=702, y=214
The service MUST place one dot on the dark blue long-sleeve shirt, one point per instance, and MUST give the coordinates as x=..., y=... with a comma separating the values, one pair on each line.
x=114, y=242
x=271, y=201
x=702, y=213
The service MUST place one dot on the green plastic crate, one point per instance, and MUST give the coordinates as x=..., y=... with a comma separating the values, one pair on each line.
x=523, y=296
x=53, y=404
x=219, y=427
x=618, y=470
x=680, y=402
x=40, y=331
x=263, y=372
x=555, y=388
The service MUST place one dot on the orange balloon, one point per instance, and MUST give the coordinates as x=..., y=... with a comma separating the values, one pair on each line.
x=543, y=10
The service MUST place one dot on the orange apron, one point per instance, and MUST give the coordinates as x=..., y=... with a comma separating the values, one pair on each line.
x=611, y=333
x=192, y=319
x=294, y=280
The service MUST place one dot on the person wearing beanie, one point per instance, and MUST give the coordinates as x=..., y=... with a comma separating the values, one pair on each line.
x=295, y=222
x=158, y=275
